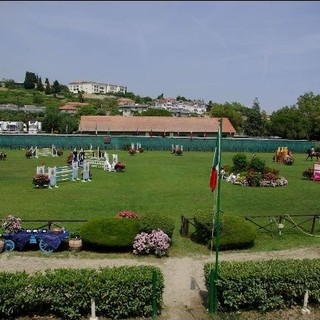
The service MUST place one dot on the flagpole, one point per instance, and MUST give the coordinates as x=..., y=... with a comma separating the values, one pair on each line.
x=214, y=277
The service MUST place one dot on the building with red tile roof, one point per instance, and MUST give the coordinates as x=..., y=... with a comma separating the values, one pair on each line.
x=72, y=107
x=155, y=126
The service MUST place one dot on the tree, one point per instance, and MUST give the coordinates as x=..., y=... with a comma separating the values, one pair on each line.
x=87, y=111
x=56, y=87
x=67, y=123
x=288, y=123
x=64, y=90
x=51, y=119
x=30, y=80
x=9, y=84
x=179, y=98
x=152, y=112
x=209, y=105
x=47, y=89
x=160, y=96
x=80, y=96
x=255, y=124
x=40, y=85
x=37, y=98
x=109, y=106
x=309, y=106
x=233, y=111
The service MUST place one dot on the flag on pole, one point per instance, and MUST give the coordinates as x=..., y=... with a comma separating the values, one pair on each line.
x=215, y=163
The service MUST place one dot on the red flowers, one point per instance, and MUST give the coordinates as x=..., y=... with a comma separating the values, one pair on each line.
x=127, y=214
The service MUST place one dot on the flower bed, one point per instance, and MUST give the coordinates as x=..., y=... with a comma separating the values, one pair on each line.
x=259, y=181
x=253, y=173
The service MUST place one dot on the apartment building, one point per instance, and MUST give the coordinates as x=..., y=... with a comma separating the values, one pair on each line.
x=91, y=87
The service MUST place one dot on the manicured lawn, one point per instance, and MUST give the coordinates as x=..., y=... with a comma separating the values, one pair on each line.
x=162, y=183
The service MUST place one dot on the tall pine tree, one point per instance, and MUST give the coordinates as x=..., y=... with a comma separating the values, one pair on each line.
x=30, y=80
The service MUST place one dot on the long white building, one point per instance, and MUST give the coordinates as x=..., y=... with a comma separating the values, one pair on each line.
x=91, y=87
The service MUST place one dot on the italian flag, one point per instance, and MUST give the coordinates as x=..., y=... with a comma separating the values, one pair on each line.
x=215, y=164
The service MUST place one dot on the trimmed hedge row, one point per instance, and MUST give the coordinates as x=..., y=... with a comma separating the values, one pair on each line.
x=119, y=292
x=266, y=285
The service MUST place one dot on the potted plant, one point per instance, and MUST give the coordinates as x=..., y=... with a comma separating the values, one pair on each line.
x=132, y=151
x=11, y=224
x=41, y=180
x=1, y=243
x=75, y=241
x=119, y=166
x=308, y=173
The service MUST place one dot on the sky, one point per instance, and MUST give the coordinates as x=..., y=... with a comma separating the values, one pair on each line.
x=233, y=51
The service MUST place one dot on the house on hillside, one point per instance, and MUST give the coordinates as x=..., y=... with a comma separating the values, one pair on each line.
x=72, y=107
x=129, y=110
x=155, y=126
x=91, y=87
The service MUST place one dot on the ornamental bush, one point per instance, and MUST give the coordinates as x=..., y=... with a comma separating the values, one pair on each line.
x=156, y=242
x=308, y=173
x=239, y=162
x=110, y=232
x=235, y=232
x=257, y=164
x=152, y=221
x=203, y=227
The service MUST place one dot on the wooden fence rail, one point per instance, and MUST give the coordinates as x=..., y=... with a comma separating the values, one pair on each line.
x=308, y=224
x=49, y=223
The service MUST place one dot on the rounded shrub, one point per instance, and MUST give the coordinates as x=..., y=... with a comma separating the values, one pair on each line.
x=152, y=221
x=203, y=223
x=239, y=162
x=257, y=164
x=110, y=232
x=235, y=232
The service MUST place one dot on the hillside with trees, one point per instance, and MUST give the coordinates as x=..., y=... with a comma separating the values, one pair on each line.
x=300, y=121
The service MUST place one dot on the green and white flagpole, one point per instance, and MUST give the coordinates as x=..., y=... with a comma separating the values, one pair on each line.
x=214, y=273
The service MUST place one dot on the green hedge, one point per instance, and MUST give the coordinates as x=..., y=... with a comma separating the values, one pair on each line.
x=154, y=221
x=110, y=232
x=119, y=292
x=236, y=232
x=266, y=285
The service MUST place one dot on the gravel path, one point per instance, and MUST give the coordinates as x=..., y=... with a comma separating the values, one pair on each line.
x=184, y=281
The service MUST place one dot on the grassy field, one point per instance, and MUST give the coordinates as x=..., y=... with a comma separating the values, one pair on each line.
x=162, y=183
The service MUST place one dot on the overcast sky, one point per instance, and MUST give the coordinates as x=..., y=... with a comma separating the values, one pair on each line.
x=220, y=51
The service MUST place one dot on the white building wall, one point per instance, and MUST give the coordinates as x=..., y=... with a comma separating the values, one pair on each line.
x=95, y=88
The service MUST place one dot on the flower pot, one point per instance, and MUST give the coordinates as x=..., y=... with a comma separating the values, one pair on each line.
x=56, y=230
x=75, y=244
x=1, y=245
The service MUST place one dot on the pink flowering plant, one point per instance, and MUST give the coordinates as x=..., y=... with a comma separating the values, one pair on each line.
x=11, y=224
x=157, y=242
